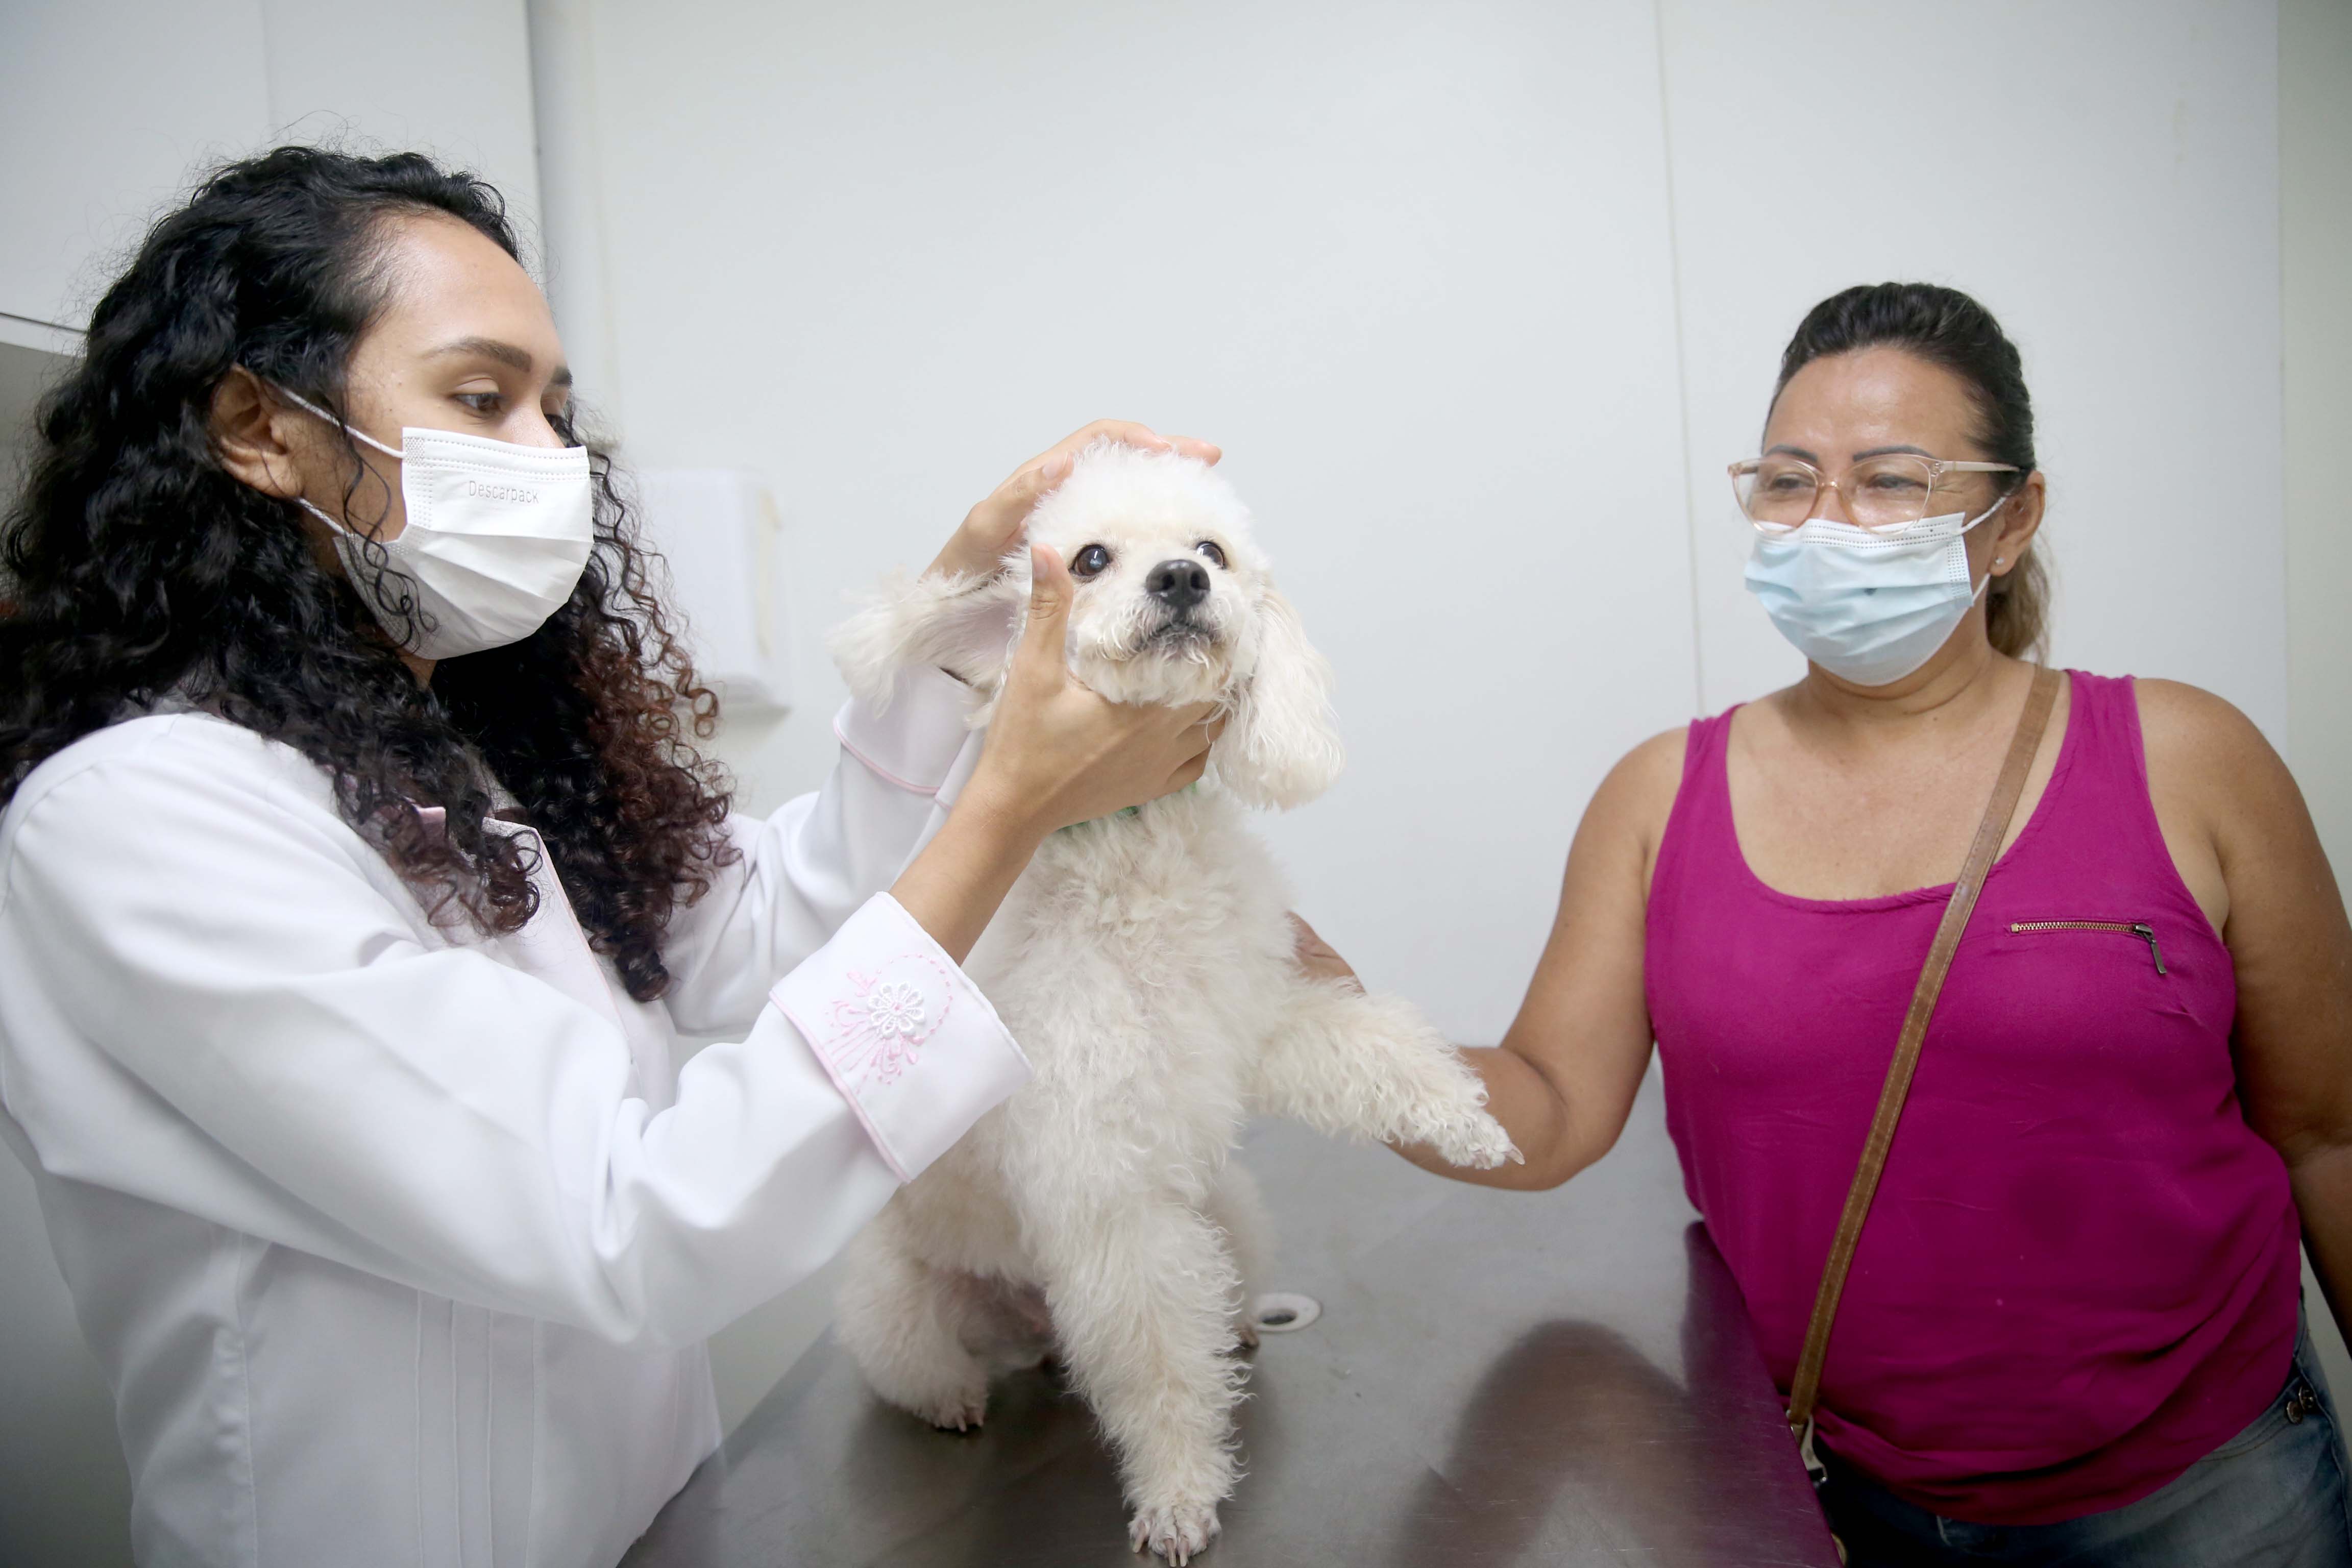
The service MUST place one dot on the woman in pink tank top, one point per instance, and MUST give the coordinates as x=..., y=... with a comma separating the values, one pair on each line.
x=2071, y=1329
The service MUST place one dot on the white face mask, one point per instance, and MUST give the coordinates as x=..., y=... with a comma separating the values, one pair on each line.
x=1868, y=607
x=496, y=539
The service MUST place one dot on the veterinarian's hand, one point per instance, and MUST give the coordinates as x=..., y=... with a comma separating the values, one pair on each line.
x=1314, y=956
x=1057, y=752
x=994, y=526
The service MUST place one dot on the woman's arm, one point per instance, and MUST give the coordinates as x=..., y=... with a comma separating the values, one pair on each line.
x=2290, y=942
x=801, y=872
x=1563, y=1079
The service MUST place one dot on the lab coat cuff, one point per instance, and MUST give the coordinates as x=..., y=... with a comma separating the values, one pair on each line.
x=903, y=1033
x=910, y=738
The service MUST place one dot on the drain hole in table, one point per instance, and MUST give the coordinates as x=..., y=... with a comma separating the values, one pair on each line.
x=1283, y=1312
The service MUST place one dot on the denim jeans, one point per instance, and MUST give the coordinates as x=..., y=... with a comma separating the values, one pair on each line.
x=2272, y=1497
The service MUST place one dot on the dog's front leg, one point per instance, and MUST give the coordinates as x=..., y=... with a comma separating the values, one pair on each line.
x=1373, y=1067
x=1142, y=1293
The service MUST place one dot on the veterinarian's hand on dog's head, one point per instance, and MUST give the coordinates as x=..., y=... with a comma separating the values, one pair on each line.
x=1057, y=752
x=994, y=526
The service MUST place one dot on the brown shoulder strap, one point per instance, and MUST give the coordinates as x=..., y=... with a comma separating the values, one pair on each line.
x=1805, y=1389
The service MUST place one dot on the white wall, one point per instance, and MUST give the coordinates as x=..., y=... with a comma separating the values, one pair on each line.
x=2104, y=178
x=451, y=77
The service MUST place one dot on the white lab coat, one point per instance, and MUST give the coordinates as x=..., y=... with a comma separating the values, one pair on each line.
x=400, y=1245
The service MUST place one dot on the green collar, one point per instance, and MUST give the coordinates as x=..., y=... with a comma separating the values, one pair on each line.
x=1128, y=810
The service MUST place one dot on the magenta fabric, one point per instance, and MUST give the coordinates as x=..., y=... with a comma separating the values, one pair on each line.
x=2080, y=1275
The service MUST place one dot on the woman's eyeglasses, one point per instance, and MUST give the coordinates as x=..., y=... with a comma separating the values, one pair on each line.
x=1892, y=490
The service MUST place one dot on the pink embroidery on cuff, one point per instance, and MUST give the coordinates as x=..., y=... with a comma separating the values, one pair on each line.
x=878, y=1034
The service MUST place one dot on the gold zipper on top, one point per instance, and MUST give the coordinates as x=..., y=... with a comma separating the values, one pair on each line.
x=2139, y=929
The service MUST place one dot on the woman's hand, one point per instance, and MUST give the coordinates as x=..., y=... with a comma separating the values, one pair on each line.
x=1056, y=754
x=1316, y=958
x=994, y=526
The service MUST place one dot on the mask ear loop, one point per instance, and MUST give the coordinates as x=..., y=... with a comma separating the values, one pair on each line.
x=306, y=406
x=358, y=435
x=1985, y=586
x=1964, y=527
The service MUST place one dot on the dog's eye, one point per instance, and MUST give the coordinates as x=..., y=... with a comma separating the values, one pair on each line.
x=1208, y=548
x=1091, y=561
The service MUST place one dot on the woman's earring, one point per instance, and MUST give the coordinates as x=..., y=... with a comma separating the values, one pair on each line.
x=1997, y=561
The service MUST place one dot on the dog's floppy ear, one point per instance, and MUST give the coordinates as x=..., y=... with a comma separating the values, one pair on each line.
x=1281, y=747
x=963, y=624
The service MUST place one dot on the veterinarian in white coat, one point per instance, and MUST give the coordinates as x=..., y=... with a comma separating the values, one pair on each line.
x=355, y=1110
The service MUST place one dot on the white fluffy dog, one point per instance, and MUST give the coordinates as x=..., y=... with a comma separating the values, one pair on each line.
x=1144, y=962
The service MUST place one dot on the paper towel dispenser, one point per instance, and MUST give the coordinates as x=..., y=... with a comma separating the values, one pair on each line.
x=719, y=531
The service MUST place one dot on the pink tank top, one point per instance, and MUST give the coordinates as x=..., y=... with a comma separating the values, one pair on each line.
x=2080, y=1275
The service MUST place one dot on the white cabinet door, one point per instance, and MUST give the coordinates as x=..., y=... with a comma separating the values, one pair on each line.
x=104, y=112
x=109, y=111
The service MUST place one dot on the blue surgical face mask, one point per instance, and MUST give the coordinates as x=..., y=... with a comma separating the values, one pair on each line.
x=1868, y=607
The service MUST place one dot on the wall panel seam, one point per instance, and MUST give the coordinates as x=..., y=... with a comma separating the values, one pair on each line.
x=1682, y=362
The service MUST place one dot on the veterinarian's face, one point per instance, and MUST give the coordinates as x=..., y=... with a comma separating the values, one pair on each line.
x=1167, y=593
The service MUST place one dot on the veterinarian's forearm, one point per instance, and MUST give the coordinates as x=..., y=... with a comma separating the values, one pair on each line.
x=1532, y=1111
x=954, y=887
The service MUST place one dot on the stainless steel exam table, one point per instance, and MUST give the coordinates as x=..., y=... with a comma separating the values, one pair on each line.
x=1567, y=1377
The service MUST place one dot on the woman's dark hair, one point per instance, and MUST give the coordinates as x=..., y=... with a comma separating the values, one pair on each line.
x=141, y=567
x=1945, y=327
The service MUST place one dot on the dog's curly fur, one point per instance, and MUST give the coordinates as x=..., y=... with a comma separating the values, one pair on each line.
x=1144, y=963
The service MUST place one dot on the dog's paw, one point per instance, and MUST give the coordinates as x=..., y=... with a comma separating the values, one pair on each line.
x=960, y=1412
x=1177, y=1533
x=1473, y=1140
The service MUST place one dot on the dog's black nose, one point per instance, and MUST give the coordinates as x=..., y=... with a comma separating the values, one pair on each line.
x=1179, y=584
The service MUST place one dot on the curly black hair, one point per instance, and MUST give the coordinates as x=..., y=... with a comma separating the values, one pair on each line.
x=140, y=568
